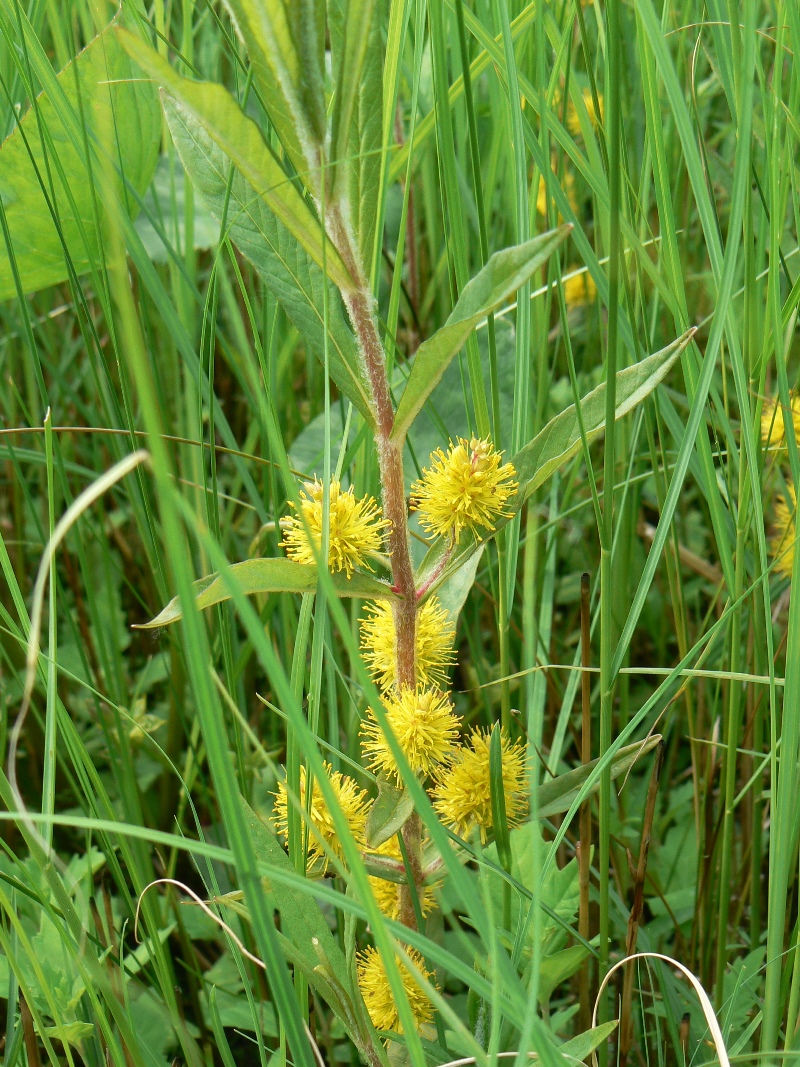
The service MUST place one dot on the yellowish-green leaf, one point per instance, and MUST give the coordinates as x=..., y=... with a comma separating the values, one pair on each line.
x=561, y=438
x=505, y=272
x=291, y=93
x=241, y=141
x=271, y=576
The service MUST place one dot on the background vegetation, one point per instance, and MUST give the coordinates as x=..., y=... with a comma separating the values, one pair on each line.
x=666, y=134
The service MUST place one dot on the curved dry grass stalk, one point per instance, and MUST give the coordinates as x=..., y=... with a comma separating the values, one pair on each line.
x=702, y=996
x=224, y=926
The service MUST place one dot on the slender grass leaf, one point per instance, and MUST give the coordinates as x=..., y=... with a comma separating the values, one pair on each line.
x=271, y=576
x=286, y=268
x=505, y=272
x=101, y=86
x=240, y=139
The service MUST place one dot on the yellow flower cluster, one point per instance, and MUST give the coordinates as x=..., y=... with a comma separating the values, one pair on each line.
x=378, y=997
x=425, y=726
x=352, y=801
x=773, y=435
x=434, y=640
x=356, y=528
x=573, y=119
x=465, y=488
x=783, y=540
x=579, y=289
x=773, y=428
x=463, y=796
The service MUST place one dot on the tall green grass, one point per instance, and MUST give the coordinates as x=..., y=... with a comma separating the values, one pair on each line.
x=158, y=333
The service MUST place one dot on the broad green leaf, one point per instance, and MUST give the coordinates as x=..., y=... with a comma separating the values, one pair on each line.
x=555, y=969
x=505, y=272
x=240, y=139
x=388, y=814
x=162, y=222
x=582, y=1046
x=285, y=267
x=271, y=576
x=264, y=27
x=561, y=438
x=123, y=124
x=558, y=794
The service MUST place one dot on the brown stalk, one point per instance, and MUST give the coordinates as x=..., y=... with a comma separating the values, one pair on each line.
x=625, y=1022
x=360, y=307
x=29, y=1033
x=585, y=847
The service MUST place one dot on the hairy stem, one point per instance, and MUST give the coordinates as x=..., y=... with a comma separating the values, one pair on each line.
x=360, y=307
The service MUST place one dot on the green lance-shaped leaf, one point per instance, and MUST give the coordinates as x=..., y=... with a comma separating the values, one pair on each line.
x=388, y=814
x=240, y=139
x=120, y=114
x=558, y=441
x=557, y=795
x=505, y=272
x=270, y=576
x=284, y=265
x=581, y=1047
x=356, y=40
x=561, y=437
x=289, y=79
x=357, y=141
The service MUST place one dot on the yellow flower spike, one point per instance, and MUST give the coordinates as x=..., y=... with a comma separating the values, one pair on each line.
x=352, y=800
x=773, y=427
x=783, y=540
x=463, y=489
x=463, y=797
x=579, y=290
x=574, y=122
x=387, y=894
x=377, y=993
x=434, y=640
x=356, y=528
x=423, y=722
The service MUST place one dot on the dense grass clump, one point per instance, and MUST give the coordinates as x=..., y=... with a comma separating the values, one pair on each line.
x=399, y=439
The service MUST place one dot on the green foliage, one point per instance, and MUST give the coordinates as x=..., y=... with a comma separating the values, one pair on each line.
x=253, y=576
x=501, y=208
x=96, y=116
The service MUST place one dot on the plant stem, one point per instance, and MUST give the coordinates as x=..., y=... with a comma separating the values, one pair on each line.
x=360, y=307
